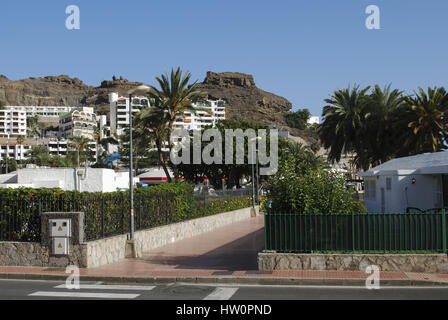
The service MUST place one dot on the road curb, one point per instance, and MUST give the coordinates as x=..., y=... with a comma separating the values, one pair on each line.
x=278, y=281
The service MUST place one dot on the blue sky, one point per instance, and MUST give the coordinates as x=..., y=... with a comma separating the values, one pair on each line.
x=302, y=50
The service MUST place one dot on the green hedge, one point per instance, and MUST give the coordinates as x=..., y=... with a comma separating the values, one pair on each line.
x=106, y=214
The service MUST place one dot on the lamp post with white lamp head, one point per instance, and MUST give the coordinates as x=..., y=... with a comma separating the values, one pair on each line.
x=140, y=90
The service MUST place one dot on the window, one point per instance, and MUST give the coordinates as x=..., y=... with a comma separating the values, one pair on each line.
x=388, y=184
x=370, y=190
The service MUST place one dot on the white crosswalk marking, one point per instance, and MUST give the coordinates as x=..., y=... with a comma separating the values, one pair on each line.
x=98, y=295
x=109, y=287
x=221, y=294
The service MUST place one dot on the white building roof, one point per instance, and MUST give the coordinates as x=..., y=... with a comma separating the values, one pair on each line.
x=427, y=163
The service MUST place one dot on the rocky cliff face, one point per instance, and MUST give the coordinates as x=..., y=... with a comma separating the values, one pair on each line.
x=243, y=98
x=61, y=91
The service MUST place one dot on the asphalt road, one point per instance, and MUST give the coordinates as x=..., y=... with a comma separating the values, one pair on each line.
x=54, y=290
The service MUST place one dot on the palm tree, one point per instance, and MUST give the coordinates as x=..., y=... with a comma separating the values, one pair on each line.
x=170, y=102
x=155, y=126
x=426, y=115
x=81, y=144
x=344, y=117
x=380, y=135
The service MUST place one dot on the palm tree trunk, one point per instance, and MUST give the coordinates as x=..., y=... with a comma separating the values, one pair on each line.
x=171, y=146
x=159, y=144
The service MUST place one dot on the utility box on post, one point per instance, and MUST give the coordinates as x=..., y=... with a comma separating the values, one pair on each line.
x=60, y=228
x=61, y=231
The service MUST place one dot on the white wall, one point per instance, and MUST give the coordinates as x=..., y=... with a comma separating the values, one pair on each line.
x=96, y=179
x=404, y=194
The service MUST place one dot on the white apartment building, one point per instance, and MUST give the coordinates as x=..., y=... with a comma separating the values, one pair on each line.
x=119, y=111
x=12, y=123
x=61, y=147
x=42, y=111
x=79, y=122
x=57, y=146
x=207, y=114
x=14, y=150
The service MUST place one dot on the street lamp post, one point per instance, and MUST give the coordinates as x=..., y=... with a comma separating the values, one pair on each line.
x=142, y=89
x=253, y=173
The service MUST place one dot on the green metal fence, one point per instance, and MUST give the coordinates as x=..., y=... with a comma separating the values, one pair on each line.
x=356, y=233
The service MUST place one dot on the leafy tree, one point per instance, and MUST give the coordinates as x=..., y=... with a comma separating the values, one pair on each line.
x=215, y=172
x=298, y=119
x=39, y=155
x=9, y=165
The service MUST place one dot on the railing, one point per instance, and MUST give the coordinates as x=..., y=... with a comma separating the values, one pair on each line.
x=105, y=214
x=356, y=233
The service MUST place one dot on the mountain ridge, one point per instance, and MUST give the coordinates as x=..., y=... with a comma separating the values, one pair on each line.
x=243, y=98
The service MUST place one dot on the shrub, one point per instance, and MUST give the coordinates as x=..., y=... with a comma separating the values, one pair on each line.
x=298, y=119
x=297, y=188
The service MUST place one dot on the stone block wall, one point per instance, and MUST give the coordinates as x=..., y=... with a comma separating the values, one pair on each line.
x=33, y=254
x=105, y=251
x=430, y=263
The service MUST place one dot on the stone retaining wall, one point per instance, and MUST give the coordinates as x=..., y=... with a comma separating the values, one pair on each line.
x=105, y=251
x=33, y=254
x=430, y=263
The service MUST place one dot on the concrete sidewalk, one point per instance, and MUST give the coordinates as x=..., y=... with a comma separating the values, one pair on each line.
x=227, y=255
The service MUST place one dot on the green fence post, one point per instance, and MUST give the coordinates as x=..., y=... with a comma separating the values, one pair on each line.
x=353, y=232
x=444, y=230
x=266, y=227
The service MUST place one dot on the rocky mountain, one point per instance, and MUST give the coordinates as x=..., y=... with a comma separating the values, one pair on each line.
x=243, y=98
x=61, y=91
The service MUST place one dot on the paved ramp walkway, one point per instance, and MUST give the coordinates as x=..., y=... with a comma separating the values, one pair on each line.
x=226, y=249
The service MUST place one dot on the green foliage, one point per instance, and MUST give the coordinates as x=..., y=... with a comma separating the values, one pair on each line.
x=9, y=165
x=380, y=124
x=40, y=156
x=298, y=119
x=300, y=188
x=215, y=206
x=154, y=206
x=142, y=142
x=426, y=115
x=176, y=95
x=215, y=172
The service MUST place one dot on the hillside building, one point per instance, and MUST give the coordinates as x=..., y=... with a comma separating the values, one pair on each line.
x=12, y=123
